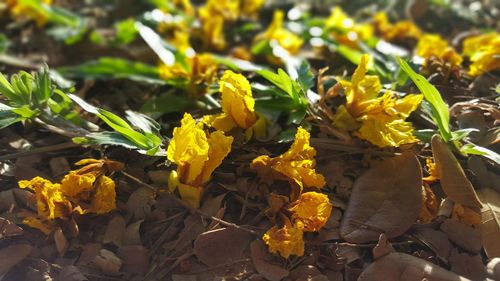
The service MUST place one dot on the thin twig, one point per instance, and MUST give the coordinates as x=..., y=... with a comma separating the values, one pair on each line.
x=49, y=148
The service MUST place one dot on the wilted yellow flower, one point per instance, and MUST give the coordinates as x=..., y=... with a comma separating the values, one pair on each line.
x=397, y=32
x=288, y=240
x=251, y=8
x=73, y=183
x=379, y=120
x=311, y=211
x=51, y=202
x=196, y=153
x=484, y=52
x=214, y=15
x=345, y=30
x=285, y=38
x=21, y=10
x=432, y=45
x=104, y=199
x=432, y=170
x=296, y=165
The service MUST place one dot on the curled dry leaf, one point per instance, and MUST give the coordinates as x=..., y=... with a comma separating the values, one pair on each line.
x=61, y=241
x=114, y=231
x=436, y=240
x=260, y=259
x=399, y=266
x=135, y=259
x=464, y=236
x=452, y=177
x=220, y=246
x=9, y=229
x=466, y=265
x=490, y=227
x=383, y=247
x=385, y=199
x=139, y=203
x=132, y=235
x=71, y=273
x=12, y=255
x=493, y=269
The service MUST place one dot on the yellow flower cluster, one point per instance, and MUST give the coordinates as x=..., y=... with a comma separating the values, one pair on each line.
x=484, y=52
x=276, y=32
x=216, y=13
x=196, y=153
x=201, y=69
x=433, y=46
x=309, y=214
x=345, y=30
x=86, y=190
x=297, y=165
x=20, y=10
x=395, y=32
x=377, y=119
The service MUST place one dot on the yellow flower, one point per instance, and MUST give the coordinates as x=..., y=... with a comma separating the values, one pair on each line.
x=44, y=226
x=251, y=8
x=432, y=170
x=379, y=120
x=432, y=45
x=484, y=53
x=73, y=183
x=288, y=240
x=21, y=10
x=311, y=211
x=237, y=104
x=397, y=32
x=104, y=199
x=345, y=30
x=285, y=38
x=51, y=202
x=296, y=165
x=196, y=153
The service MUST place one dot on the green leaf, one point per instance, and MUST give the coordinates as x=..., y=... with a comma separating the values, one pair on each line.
x=107, y=67
x=237, y=64
x=125, y=32
x=439, y=109
x=462, y=133
x=43, y=85
x=115, y=138
x=479, y=150
x=8, y=91
x=143, y=122
x=4, y=43
x=7, y=118
x=280, y=80
x=306, y=78
x=166, y=103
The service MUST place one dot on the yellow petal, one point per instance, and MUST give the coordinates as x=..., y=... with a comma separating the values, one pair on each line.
x=220, y=146
x=311, y=211
x=237, y=100
x=222, y=122
x=51, y=203
x=73, y=184
x=286, y=241
x=191, y=195
x=382, y=131
x=104, y=199
x=44, y=226
x=432, y=45
x=286, y=39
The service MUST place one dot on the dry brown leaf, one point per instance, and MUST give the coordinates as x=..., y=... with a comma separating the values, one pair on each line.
x=260, y=257
x=135, y=259
x=464, y=236
x=9, y=229
x=139, y=203
x=399, y=266
x=385, y=199
x=159, y=176
x=12, y=255
x=108, y=262
x=493, y=269
x=7, y=200
x=89, y=252
x=61, y=241
x=220, y=246
x=452, y=177
x=71, y=273
x=490, y=227
x=436, y=240
x=114, y=231
x=382, y=248
x=468, y=266
x=132, y=235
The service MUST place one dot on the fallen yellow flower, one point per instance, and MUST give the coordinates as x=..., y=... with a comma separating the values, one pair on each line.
x=197, y=154
x=433, y=46
x=395, y=32
x=432, y=170
x=251, y=8
x=484, y=53
x=50, y=200
x=285, y=38
x=311, y=211
x=296, y=165
x=287, y=240
x=377, y=119
x=345, y=30
x=20, y=10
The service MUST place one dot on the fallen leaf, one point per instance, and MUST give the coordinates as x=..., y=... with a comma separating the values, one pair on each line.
x=61, y=242
x=71, y=273
x=211, y=205
x=9, y=229
x=490, y=227
x=7, y=200
x=132, y=235
x=468, y=266
x=108, y=262
x=464, y=236
x=220, y=246
x=59, y=166
x=304, y=272
x=158, y=176
x=385, y=199
x=493, y=269
x=382, y=248
x=178, y=277
x=114, y=231
x=399, y=266
x=452, y=177
x=12, y=255
x=89, y=252
x=135, y=259
x=436, y=240
x=139, y=203
x=260, y=257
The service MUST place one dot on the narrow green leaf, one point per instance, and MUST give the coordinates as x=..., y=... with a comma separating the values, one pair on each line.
x=439, y=109
x=479, y=150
